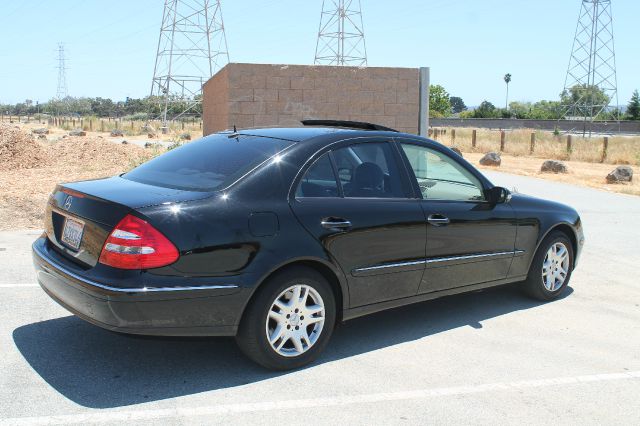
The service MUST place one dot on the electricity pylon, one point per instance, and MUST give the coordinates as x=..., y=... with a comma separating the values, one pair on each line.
x=341, y=34
x=62, y=92
x=591, y=82
x=192, y=46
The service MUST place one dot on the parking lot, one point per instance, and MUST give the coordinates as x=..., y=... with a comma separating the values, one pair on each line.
x=488, y=357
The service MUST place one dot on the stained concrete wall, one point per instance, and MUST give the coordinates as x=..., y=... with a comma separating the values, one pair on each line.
x=260, y=95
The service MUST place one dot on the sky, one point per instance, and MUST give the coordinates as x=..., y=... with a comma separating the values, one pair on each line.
x=469, y=44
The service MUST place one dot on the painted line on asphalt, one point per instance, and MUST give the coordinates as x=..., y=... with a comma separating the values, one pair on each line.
x=103, y=416
x=18, y=285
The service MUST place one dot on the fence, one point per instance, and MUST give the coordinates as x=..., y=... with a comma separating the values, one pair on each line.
x=614, y=150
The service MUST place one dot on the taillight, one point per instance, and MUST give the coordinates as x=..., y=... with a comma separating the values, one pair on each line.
x=134, y=244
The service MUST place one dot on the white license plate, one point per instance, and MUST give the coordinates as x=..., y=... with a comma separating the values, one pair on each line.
x=72, y=233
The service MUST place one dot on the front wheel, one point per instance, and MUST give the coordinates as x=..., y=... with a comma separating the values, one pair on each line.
x=290, y=320
x=551, y=268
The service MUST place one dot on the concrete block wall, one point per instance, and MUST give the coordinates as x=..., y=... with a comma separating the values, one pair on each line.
x=263, y=95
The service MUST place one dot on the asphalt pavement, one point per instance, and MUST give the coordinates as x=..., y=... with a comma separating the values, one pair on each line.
x=491, y=357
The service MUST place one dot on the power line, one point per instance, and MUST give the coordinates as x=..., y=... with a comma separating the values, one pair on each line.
x=341, y=34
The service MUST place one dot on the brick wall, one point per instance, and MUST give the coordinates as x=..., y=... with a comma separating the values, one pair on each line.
x=261, y=95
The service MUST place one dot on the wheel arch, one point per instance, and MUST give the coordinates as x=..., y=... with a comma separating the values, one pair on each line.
x=334, y=277
x=567, y=229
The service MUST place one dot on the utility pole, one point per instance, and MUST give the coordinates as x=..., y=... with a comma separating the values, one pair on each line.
x=192, y=47
x=62, y=91
x=591, y=83
x=341, y=34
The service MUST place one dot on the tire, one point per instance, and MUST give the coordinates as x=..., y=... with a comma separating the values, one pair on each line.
x=264, y=315
x=541, y=283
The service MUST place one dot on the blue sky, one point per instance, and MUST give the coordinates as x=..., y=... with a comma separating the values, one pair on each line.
x=469, y=44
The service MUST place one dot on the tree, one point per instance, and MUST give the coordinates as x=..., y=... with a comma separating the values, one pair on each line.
x=486, y=110
x=457, y=104
x=439, y=104
x=507, y=79
x=588, y=99
x=633, y=109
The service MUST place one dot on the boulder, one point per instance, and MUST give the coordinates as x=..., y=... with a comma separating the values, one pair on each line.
x=148, y=145
x=117, y=133
x=40, y=131
x=491, y=159
x=151, y=135
x=185, y=136
x=456, y=150
x=42, y=136
x=125, y=142
x=77, y=132
x=620, y=174
x=553, y=166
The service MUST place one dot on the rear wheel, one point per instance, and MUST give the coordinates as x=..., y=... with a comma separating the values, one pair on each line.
x=289, y=321
x=551, y=268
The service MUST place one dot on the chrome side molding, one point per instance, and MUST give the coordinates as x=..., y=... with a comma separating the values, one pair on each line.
x=437, y=260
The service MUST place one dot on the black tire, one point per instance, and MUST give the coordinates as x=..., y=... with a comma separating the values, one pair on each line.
x=534, y=285
x=252, y=338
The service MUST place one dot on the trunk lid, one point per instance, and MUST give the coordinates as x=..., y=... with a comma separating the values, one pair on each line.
x=80, y=216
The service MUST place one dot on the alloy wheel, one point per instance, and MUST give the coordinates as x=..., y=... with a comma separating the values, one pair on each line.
x=295, y=320
x=555, y=267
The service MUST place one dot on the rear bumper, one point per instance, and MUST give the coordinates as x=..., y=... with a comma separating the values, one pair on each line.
x=212, y=310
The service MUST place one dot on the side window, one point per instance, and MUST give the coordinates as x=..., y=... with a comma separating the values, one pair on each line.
x=369, y=170
x=441, y=177
x=319, y=180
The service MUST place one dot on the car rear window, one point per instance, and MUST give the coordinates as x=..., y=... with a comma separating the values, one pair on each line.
x=207, y=164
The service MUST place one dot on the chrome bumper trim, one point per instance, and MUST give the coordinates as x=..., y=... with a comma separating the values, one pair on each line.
x=42, y=255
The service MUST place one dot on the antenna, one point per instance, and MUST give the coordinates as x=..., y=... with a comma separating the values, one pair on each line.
x=591, y=82
x=61, y=92
x=192, y=46
x=341, y=34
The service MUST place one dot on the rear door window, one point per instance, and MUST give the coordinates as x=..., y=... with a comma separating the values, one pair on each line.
x=208, y=164
x=369, y=170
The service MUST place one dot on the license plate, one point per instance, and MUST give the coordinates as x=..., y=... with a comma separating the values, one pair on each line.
x=72, y=233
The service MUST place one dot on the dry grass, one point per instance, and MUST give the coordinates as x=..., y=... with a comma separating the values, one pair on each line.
x=622, y=149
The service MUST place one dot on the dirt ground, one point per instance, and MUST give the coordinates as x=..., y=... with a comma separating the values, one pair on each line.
x=579, y=173
x=30, y=168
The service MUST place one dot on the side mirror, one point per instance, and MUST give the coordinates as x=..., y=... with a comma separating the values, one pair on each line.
x=499, y=195
x=345, y=175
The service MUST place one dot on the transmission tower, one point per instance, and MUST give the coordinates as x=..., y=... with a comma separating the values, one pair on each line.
x=192, y=46
x=61, y=92
x=341, y=34
x=591, y=83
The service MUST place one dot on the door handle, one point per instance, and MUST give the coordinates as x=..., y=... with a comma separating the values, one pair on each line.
x=335, y=223
x=438, y=220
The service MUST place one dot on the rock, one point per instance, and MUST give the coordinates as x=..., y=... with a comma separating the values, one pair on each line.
x=77, y=132
x=185, y=136
x=40, y=131
x=42, y=136
x=117, y=133
x=456, y=150
x=620, y=174
x=553, y=166
x=491, y=159
x=151, y=135
x=148, y=145
x=125, y=142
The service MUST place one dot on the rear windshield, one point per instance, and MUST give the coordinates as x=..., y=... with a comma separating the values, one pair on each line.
x=207, y=164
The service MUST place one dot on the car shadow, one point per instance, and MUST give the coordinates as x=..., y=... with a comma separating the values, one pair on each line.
x=100, y=369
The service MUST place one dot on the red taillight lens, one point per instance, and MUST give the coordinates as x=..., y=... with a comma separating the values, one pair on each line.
x=134, y=244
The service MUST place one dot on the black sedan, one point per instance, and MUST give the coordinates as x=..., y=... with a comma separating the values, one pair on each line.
x=276, y=235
